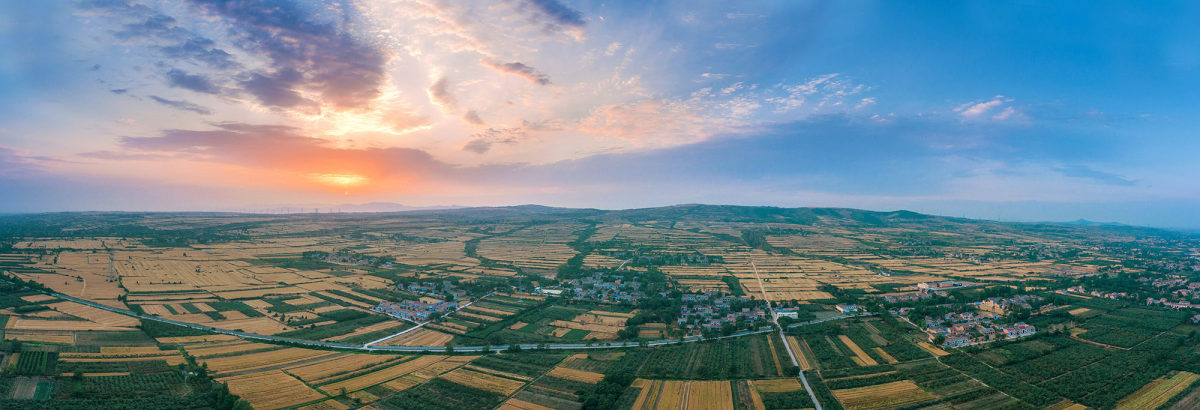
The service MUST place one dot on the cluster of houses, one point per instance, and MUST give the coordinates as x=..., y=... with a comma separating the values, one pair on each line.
x=1180, y=287
x=1079, y=290
x=944, y=285
x=907, y=297
x=1171, y=304
x=926, y=290
x=599, y=288
x=346, y=257
x=712, y=310
x=443, y=290
x=1005, y=305
x=961, y=329
x=414, y=310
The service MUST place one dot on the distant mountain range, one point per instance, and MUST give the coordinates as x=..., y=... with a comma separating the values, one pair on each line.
x=326, y=208
x=841, y=217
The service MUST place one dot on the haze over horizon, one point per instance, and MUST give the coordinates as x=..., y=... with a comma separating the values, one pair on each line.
x=1031, y=112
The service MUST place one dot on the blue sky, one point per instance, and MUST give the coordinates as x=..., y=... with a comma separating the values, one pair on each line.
x=1014, y=111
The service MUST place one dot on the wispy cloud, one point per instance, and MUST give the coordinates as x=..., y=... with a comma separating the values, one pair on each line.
x=997, y=108
x=519, y=69
x=181, y=105
x=1086, y=172
x=198, y=83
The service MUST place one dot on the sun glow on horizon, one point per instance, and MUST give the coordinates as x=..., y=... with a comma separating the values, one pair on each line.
x=344, y=181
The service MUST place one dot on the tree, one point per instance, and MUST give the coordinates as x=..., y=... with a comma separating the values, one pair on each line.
x=939, y=340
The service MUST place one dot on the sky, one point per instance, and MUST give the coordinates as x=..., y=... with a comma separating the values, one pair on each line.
x=1030, y=111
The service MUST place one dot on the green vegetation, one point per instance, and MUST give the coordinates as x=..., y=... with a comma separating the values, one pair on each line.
x=530, y=364
x=334, y=329
x=442, y=394
x=786, y=400
x=37, y=363
x=233, y=305
x=156, y=329
x=139, y=385
x=738, y=358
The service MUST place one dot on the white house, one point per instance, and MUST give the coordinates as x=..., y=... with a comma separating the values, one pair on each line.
x=548, y=291
x=847, y=308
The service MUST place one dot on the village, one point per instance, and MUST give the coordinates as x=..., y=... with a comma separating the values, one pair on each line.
x=598, y=287
x=987, y=322
x=415, y=310
x=710, y=311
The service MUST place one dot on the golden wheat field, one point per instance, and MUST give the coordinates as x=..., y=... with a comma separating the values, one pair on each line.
x=271, y=389
x=483, y=381
x=676, y=394
x=882, y=396
x=1158, y=392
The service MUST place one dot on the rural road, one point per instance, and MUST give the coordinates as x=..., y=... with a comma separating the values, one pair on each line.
x=782, y=337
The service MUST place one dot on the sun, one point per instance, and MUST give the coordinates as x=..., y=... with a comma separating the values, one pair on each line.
x=344, y=181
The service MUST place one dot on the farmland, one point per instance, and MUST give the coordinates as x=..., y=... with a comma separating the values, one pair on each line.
x=1158, y=392
x=318, y=278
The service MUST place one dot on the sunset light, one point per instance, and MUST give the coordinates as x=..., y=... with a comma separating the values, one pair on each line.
x=599, y=205
x=342, y=181
x=1029, y=111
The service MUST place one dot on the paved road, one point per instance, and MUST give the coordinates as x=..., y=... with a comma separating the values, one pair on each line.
x=838, y=317
x=402, y=349
x=782, y=337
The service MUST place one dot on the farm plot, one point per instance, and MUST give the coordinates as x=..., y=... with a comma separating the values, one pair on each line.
x=860, y=357
x=775, y=394
x=383, y=375
x=676, y=394
x=253, y=361
x=332, y=367
x=576, y=375
x=484, y=381
x=59, y=337
x=739, y=358
x=931, y=349
x=1158, y=392
x=895, y=394
x=444, y=394
x=18, y=323
x=129, y=386
x=420, y=337
x=271, y=389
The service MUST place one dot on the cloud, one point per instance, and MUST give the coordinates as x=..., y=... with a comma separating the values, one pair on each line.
x=285, y=148
x=119, y=91
x=439, y=93
x=482, y=142
x=15, y=163
x=818, y=92
x=202, y=50
x=123, y=156
x=181, y=105
x=195, y=82
x=279, y=90
x=980, y=109
x=519, y=69
x=154, y=26
x=329, y=60
x=1008, y=112
x=403, y=121
x=1085, y=172
x=555, y=17
x=473, y=117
